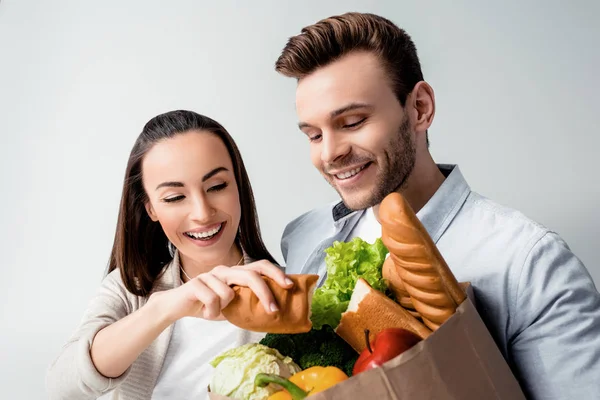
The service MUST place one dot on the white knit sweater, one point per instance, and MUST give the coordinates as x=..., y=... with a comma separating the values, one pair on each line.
x=73, y=375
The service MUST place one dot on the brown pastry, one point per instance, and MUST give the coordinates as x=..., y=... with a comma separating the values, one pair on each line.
x=247, y=312
x=373, y=310
x=391, y=274
x=433, y=289
x=395, y=284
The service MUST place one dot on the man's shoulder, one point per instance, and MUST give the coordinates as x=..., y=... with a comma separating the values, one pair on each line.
x=503, y=230
x=504, y=216
x=304, y=233
x=319, y=217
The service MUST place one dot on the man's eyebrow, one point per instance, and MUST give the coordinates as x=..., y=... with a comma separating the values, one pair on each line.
x=204, y=178
x=340, y=111
x=304, y=125
x=349, y=107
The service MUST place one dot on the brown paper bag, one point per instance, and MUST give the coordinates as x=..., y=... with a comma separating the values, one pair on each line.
x=458, y=361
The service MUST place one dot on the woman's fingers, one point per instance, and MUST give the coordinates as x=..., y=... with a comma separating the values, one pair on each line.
x=211, y=303
x=270, y=270
x=220, y=288
x=250, y=279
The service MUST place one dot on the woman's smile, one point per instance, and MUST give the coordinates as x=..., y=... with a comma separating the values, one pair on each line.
x=206, y=236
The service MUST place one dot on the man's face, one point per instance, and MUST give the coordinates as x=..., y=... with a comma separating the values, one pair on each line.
x=360, y=138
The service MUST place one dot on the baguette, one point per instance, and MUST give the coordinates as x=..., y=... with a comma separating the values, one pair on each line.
x=395, y=284
x=372, y=310
x=433, y=289
x=246, y=311
x=391, y=274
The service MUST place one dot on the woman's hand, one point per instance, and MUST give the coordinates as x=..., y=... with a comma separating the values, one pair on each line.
x=207, y=294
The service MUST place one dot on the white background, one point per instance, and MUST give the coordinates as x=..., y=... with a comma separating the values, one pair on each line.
x=517, y=108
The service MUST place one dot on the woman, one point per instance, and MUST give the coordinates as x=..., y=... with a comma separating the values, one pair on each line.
x=187, y=230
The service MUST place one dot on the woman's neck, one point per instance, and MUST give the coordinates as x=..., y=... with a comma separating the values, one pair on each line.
x=193, y=268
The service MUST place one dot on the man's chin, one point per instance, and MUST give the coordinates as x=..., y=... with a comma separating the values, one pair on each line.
x=356, y=198
x=358, y=202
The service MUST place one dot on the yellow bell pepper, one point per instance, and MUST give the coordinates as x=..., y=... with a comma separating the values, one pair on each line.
x=303, y=383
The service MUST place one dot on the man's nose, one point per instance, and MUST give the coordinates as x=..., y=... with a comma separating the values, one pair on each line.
x=202, y=209
x=333, y=147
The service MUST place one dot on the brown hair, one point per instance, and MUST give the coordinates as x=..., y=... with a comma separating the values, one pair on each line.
x=140, y=249
x=329, y=39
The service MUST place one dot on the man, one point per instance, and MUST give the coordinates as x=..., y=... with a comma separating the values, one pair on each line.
x=364, y=105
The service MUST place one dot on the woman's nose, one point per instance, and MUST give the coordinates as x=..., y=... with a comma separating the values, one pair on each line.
x=202, y=210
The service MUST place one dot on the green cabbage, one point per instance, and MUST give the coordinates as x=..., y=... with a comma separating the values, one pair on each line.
x=346, y=262
x=235, y=370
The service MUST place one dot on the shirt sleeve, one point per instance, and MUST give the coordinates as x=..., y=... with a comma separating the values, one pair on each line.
x=73, y=375
x=555, y=341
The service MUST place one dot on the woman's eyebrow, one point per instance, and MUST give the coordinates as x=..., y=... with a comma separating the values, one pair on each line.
x=204, y=178
x=170, y=184
x=213, y=173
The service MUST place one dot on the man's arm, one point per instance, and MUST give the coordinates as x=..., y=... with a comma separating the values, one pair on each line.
x=555, y=325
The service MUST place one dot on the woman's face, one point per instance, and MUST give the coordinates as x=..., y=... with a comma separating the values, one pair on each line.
x=193, y=194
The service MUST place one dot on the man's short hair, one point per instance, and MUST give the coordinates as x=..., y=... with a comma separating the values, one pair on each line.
x=329, y=39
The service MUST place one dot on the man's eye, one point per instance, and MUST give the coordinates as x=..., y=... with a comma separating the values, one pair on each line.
x=314, y=138
x=173, y=199
x=217, y=188
x=355, y=124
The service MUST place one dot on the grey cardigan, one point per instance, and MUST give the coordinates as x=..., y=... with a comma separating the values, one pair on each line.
x=73, y=375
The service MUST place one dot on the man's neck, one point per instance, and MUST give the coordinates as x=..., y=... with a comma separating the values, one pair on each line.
x=425, y=179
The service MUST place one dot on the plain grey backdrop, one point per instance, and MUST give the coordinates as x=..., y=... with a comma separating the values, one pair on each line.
x=516, y=85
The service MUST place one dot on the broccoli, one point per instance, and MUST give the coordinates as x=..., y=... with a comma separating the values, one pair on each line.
x=282, y=343
x=349, y=365
x=335, y=351
x=308, y=360
x=318, y=347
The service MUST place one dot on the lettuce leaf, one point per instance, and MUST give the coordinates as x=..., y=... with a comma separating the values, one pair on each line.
x=346, y=262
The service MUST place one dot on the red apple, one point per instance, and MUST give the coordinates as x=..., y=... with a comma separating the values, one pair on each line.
x=387, y=344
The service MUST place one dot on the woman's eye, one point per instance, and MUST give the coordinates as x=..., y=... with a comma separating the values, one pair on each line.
x=314, y=138
x=174, y=198
x=217, y=188
x=355, y=124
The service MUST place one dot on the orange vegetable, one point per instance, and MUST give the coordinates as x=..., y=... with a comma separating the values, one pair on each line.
x=303, y=383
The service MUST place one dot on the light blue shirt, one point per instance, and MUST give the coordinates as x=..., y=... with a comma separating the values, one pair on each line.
x=536, y=297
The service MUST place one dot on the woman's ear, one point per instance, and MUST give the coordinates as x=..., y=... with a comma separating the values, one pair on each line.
x=150, y=211
x=422, y=100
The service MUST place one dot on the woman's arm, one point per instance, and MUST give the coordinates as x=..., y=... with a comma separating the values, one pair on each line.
x=73, y=375
x=118, y=345
x=111, y=337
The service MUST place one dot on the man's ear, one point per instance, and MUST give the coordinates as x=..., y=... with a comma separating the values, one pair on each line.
x=422, y=102
x=150, y=211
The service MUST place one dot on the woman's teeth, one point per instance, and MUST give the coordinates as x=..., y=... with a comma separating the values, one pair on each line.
x=204, y=235
x=350, y=173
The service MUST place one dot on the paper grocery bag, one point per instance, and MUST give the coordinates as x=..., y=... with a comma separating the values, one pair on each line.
x=459, y=361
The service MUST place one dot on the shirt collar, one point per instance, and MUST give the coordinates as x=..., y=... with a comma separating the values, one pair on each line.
x=445, y=203
x=438, y=212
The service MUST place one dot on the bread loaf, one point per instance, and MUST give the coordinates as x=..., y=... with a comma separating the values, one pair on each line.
x=423, y=274
x=373, y=310
x=391, y=274
x=247, y=312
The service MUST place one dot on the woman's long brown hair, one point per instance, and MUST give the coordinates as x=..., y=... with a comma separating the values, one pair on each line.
x=140, y=249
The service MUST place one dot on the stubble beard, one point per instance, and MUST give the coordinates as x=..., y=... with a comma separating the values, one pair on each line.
x=400, y=156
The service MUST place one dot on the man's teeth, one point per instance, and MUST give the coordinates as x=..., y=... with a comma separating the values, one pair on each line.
x=204, y=235
x=348, y=174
